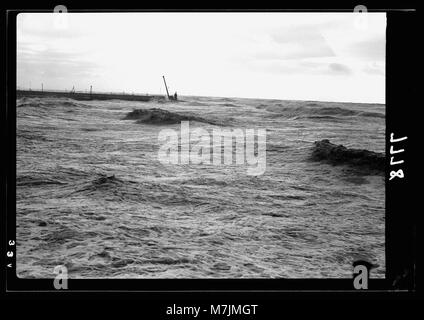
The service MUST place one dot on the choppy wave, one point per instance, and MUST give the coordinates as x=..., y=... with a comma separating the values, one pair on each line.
x=324, y=150
x=160, y=116
x=317, y=111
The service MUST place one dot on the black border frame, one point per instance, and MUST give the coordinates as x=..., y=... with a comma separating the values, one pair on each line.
x=400, y=224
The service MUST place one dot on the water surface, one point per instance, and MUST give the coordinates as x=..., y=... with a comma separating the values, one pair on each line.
x=92, y=195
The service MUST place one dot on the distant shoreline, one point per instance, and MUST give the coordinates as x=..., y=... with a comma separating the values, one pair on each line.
x=87, y=95
x=147, y=97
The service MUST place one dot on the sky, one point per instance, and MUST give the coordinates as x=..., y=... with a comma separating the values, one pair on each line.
x=293, y=56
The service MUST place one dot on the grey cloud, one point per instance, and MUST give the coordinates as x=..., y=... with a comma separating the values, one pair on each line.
x=301, y=67
x=374, y=70
x=50, y=28
x=299, y=35
x=54, y=64
x=372, y=49
x=339, y=69
x=56, y=33
x=312, y=51
x=308, y=41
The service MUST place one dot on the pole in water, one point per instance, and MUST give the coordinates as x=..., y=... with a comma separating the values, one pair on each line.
x=91, y=90
x=42, y=89
x=167, y=93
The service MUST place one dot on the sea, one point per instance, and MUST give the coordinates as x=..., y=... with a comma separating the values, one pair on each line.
x=92, y=195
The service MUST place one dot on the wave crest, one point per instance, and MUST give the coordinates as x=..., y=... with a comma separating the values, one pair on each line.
x=160, y=116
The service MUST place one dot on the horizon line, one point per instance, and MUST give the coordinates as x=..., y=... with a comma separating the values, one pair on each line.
x=186, y=95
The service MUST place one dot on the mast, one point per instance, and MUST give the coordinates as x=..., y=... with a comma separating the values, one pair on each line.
x=167, y=93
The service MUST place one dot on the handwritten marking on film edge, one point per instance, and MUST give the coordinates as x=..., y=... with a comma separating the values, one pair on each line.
x=399, y=173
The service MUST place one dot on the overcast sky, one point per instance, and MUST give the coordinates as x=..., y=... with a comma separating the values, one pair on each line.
x=302, y=56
